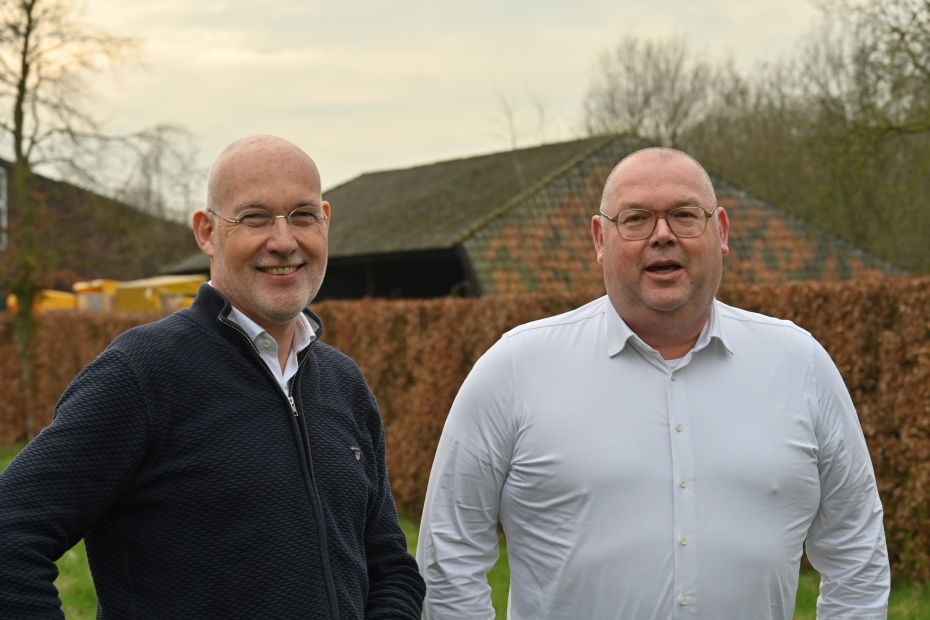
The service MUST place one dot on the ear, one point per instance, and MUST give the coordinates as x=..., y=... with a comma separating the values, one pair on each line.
x=723, y=225
x=203, y=231
x=597, y=232
x=325, y=206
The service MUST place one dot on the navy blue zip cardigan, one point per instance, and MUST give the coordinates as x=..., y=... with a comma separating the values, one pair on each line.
x=200, y=493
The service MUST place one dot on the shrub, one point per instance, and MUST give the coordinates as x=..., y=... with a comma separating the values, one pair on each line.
x=416, y=353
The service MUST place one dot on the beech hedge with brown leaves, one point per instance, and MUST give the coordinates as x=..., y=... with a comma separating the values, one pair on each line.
x=416, y=353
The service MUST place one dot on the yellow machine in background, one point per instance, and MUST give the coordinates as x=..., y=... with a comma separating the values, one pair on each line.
x=164, y=293
x=45, y=300
x=96, y=295
x=161, y=294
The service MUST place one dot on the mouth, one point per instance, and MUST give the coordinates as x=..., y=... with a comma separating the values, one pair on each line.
x=280, y=271
x=664, y=268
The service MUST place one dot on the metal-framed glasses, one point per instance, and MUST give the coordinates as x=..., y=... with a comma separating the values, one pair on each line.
x=638, y=224
x=301, y=217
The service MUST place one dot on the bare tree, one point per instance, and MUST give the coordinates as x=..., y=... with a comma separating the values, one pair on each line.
x=837, y=133
x=510, y=130
x=893, y=49
x=653, y=88
x=163, y=178
x=832, y=134
x=46, y=52
x=511, y=133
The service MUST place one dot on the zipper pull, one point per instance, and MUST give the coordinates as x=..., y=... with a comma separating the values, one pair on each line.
x=293, y=405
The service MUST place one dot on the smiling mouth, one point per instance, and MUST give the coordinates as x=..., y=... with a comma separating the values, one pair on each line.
x=278, y=271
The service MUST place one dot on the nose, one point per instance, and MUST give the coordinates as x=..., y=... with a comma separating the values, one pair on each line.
x=281, y=239
x=662, y=234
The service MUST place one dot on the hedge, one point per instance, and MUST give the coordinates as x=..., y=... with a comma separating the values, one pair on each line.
x=416, y=353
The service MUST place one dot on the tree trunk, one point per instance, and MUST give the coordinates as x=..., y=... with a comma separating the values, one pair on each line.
x=24, y=285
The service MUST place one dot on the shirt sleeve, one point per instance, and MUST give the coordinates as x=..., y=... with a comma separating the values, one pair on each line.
x=846, y=540
x=65, y=480
x=458, y=542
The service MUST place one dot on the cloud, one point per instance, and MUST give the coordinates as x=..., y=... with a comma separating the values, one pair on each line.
x=384, y=83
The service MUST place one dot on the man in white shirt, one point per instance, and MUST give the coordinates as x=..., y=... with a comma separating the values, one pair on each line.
x=654, y=454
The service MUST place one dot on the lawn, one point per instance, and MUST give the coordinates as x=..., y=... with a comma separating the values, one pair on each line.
x=79, y=601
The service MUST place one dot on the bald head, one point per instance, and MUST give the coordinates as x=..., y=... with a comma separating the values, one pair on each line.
x=242, y=154
x=658, y=154
x=268, y=265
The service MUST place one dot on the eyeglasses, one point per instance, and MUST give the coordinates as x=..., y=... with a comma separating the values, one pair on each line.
x=638, y=224
x=301, y=217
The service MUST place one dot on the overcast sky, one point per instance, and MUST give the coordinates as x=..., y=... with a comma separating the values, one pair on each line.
x=376, y=84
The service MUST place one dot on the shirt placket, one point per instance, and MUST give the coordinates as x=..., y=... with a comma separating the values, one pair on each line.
x=686, y=536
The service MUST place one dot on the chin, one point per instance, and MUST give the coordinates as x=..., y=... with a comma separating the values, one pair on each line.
x=665, y=303
x=285, y=311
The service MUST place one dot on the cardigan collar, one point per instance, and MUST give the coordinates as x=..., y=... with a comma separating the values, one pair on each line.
x=212, y=309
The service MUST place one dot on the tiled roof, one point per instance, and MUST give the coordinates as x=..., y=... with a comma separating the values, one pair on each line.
x=523, y=219
x=541, y=241
x=431, y=207
x=770, y=245
x=89, y=236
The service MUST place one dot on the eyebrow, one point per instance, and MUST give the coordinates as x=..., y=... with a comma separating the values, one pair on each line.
x=684, y=202
x=259, y=205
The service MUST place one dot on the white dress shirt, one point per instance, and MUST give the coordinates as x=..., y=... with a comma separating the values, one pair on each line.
x=268, y=346
x=633, y=491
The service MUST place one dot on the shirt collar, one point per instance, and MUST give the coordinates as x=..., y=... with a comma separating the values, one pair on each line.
x=303, y=333
x=619, y=333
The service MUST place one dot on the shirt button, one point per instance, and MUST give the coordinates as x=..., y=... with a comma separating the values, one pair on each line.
x=678, y=427
x=682, y=483
x=266, y=343
x=683, y=541
x=683, y=601
x=673, y=376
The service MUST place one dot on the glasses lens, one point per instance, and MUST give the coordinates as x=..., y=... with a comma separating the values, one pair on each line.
x=636, y=223
x=305, y=216
x=254, y=218
x=687, y=221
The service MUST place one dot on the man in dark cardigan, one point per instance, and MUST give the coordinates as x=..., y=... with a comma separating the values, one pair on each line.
x=220, y=463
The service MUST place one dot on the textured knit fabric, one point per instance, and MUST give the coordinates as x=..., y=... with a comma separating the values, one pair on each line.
x=199, y=492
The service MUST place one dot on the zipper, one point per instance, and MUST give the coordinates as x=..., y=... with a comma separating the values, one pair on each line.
x=318, y=509
x=290, y=398
x=315, y=495
x=290, y=390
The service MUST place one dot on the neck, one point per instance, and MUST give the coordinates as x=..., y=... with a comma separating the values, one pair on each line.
x=283, y=333
x=667, y=332
x=284, y=336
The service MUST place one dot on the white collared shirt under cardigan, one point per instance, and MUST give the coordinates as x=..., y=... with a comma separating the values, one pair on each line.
x=267, y=346
x=628, y=490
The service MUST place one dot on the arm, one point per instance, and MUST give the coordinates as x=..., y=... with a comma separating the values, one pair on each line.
x=395, y=588
x=458, y=535
x=64, y=481
x=846, y=540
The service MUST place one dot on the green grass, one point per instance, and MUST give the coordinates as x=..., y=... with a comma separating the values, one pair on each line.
x=907, y=601
x=7, y=453
x=75, y=587
x=498, y=578
x=805, y=605
x=79, y=601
